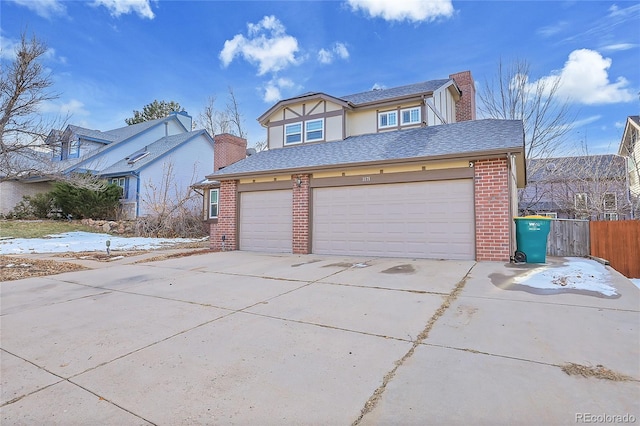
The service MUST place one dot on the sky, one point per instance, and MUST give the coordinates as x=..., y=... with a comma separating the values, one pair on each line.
x=108, y=58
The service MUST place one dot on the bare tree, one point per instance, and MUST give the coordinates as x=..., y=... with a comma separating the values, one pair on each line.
x=230, y=120
x=235, y=116
x=547, y=118
x=24, y=87
x=212, y=120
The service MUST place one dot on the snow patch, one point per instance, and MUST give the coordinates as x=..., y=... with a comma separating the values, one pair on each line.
x=575, y=274
x=84, y=241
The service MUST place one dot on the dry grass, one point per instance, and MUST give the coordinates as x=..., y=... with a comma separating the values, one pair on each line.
x=599, y=372
x=17, y=268
x=39, y=228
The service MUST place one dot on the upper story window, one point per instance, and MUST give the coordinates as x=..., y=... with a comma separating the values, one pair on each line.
x=314, y=130
x=410, y=116
x=387, y=119
x=610, y=201
x=213, y=203
x=74, y=149
x=292, y=133
x=122, y=183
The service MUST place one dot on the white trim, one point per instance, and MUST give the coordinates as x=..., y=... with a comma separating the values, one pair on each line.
x=306, y=130
x=388, y=114
x=217, y=203
x=299, y=123
x=615, y=201
x=408, y=123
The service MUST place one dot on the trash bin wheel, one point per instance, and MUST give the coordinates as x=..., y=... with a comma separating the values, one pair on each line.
x=520, y=257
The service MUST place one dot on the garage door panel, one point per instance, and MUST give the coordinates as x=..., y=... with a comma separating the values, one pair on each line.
x=265, y=221
x=420, y=219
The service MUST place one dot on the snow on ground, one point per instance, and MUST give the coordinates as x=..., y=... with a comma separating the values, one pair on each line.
x=636, y=281
x=84, y=241
x=575, y=273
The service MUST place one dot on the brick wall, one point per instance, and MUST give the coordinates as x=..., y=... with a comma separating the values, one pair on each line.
x=492, y=210
x=466, y=106
x=227, y=149
x=301, y=214
x=227, y=218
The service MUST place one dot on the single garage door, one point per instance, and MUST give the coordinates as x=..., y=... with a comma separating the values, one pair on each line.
x=422, y=219
x=265, y=221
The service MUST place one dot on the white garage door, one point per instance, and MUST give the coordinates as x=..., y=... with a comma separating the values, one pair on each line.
x=265, y=221
x=422, y=219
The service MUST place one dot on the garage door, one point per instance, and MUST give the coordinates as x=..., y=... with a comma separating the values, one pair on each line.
x=265, y=221
x=421, y=219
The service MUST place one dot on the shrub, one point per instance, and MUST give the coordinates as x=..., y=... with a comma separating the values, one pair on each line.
x=38, y=206
x=83, y=203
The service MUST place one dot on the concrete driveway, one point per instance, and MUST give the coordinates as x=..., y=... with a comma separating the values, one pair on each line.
x=244, y=338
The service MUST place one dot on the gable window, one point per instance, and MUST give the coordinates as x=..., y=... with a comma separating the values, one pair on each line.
x=292, y=133
x=387, y=119
x=74, y=149
x=610, y=201
x=313, y=130
x=122, y=183
x=213, y=203
x=410, y=116
x=581, y=201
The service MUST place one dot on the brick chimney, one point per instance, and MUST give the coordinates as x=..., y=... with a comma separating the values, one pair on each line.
x=227, y=149
x=466, y=106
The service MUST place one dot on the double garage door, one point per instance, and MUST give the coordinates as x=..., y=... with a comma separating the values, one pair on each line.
x=420, y=219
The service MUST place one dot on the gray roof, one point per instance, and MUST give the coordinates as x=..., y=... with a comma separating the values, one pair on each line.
x=609, y=166
x=395, y=92
x=464, y=138
x=156, y=150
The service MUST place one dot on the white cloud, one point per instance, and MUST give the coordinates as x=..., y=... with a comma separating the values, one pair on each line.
x=123, y=7
x=273, y=89
x=268, y=46
x=8, y=48
x=44, y=8
x=405, y=10
x=585, y=79
x=71, y=108
x=619, y=47
x=326, y=56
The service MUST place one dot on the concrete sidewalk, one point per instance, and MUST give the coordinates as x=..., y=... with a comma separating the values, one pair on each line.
x=246, y=338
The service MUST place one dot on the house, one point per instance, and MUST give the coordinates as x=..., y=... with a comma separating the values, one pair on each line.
x=153, y=161
x=399, y=172
x=592, y=187
x=630, y=148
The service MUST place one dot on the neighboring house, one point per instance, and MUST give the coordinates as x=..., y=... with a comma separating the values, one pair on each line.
x=594, y=187
x=630, y=148
x=399, y=172
x=154, y=161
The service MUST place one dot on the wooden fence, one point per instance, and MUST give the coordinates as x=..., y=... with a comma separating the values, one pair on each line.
x=568, y=238
x=618, y=241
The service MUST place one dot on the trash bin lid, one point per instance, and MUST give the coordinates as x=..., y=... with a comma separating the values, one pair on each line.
x=535, y=216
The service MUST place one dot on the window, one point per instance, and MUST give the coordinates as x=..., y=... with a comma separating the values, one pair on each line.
x=610, y=201
x=553, y=215
x=292, y=133
x=74, y=149
x=410, y=116
x=611, y=216
x=213, y=203
x=387, y=119
x=122, y=183
x=581, y=201
x=314, y=130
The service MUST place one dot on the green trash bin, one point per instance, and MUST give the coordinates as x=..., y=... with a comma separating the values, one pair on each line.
x=531, y=238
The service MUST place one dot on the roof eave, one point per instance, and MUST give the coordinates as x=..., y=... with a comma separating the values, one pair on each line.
x=470, y=156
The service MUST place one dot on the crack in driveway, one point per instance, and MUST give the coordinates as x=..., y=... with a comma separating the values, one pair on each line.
x=377, y=394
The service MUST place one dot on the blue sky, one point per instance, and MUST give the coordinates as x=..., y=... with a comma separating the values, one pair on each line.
x=110, y=57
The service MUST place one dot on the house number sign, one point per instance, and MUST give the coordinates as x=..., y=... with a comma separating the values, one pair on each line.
x=366, y=179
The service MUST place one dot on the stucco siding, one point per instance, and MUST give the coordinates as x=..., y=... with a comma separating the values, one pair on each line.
x=11, y=192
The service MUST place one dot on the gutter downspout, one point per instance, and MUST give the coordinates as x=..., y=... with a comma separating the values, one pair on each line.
x=137, y=175
x=512, y=248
